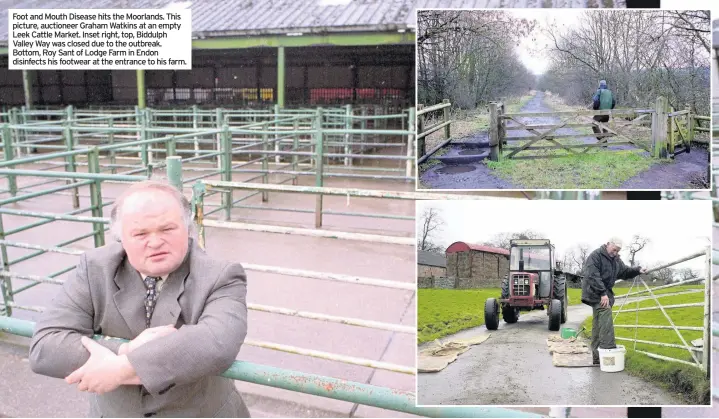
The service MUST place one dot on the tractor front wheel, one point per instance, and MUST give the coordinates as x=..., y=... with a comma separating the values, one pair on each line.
x=555, y=315
x=491, y=314
x=510, y=314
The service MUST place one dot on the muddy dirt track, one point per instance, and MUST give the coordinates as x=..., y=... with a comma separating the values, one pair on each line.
x=456, y=173
x=514, y=367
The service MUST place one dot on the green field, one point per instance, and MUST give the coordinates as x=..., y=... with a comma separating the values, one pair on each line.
x=689, y=316
x=678, y=288
x=443, y=312
x=672, y=375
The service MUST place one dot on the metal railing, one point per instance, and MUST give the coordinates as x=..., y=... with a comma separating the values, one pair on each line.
x=351, y=136
x=333, y=388
x=702, y=363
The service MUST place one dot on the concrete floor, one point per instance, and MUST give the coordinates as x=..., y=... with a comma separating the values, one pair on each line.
x=375, y=260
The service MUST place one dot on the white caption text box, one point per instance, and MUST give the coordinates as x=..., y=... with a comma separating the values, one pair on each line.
x=99, y=39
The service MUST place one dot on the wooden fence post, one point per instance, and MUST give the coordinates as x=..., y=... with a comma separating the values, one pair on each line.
x=493, y=132
x=500, y=127
x=446, y=119
x=671, y=139
x=659, y=128
x=420, y=130
x=690, y=124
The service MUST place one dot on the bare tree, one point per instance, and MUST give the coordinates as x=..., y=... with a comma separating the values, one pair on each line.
x=568, y=264
x=638, y=243
x=470, y=57
x=665, y=275
x=685, y=274
x=579, y=255
x=502, y=240
x=431, y=222
x=641, y=54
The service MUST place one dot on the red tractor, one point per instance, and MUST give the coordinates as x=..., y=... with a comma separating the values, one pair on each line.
x=534, y=282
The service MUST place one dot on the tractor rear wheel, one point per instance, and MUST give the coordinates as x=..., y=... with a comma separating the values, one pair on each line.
x=560, y=293
x=491, y=314
x=510, y=314
x=555, y=315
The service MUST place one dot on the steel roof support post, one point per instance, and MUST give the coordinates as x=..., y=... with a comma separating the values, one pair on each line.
x=281, y=77
x=93, y=159
x=141, y=91
x=27, y=88
x=9, y=155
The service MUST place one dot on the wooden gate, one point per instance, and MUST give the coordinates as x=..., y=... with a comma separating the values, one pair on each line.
x=666, y=132
x=681, y=132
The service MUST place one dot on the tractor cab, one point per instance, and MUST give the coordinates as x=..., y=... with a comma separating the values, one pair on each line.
x=530, y=271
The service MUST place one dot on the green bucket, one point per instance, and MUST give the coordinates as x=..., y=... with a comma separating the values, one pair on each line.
x=568, y=332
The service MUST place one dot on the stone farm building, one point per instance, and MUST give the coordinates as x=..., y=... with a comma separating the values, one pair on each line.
x=430, y=264
x=476, y=266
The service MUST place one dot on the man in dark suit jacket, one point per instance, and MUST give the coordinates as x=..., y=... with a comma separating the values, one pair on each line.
x=184, y=313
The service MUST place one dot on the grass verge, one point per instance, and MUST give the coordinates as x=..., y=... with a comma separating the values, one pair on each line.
x=442, y=312
x=596, y=169
x=673, y=376
x=599, y=170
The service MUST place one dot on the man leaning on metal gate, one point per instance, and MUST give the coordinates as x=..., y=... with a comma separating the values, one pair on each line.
x=601, y=270
x=182, y=312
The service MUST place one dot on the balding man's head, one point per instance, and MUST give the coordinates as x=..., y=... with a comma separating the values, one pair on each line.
x=153, y=221
x=614, y=245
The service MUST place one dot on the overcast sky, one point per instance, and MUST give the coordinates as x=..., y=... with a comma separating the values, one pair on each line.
x=532, y=50
x=676, y=228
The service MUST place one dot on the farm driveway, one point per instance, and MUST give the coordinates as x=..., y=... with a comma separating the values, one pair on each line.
x=514, y=367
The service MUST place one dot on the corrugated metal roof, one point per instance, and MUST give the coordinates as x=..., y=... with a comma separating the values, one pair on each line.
x=462, y=246
x=252, y=17
x=488, y=249
x=431, y=259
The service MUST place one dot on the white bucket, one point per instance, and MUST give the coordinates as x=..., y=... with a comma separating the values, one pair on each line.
x=612, y=360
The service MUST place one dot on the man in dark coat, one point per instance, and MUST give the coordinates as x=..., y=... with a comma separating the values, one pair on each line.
x=602, y=100
x=601, y=270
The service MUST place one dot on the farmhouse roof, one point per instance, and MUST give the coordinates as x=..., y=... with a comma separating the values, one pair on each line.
x=431, y=259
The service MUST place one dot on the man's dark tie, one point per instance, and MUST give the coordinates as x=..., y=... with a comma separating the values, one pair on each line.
x=150, y=297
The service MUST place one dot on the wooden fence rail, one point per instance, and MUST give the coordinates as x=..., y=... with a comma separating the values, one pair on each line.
x=423, y=130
